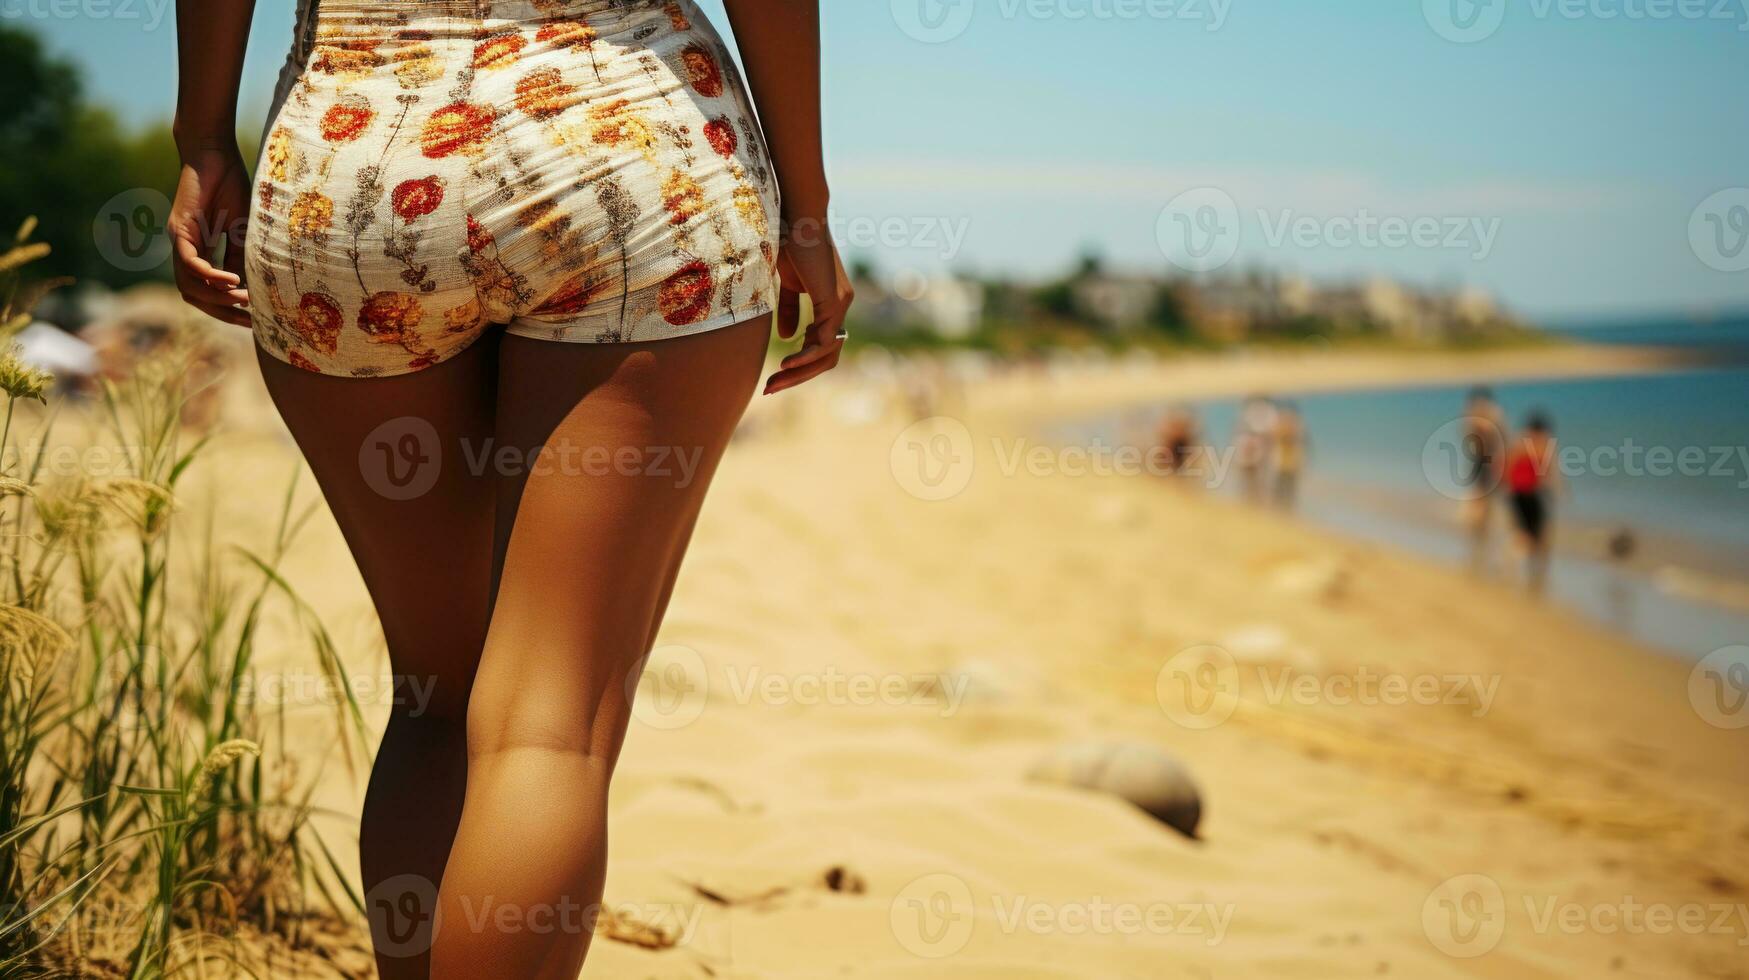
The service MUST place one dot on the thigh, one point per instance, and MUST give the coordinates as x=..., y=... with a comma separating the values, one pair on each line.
x=614, y=448
x=398, y=460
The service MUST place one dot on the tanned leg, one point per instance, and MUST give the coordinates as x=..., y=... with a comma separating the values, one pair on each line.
x=591, y=542
x=391, y=456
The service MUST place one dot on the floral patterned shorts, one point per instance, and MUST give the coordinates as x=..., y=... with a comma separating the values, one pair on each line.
x=586, y=171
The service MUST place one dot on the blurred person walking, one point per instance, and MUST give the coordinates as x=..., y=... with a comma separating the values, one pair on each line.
x=1533, y=476
x=1176, y=445
x=1481, y=468
x=1253, y=437
x=1291, y=447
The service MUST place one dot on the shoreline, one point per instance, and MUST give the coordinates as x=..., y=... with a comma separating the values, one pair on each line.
x=1672, y=567
x=1301, y=372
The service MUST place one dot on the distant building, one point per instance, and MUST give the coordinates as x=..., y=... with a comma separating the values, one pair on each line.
x=1234, y=308
x=946, y=306
x=1117, y=301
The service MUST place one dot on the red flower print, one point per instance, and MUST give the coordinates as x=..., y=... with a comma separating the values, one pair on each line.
x=721, y=134
x=346, y=120
x=702, y=71
x=543, y=93
x=686, y=295
x=459, y=127
x=417, y=198
x=301, y=362
x=319, y=321
x=479, y=239
x=349, y=55
x=387, y=316
x=570, y=298
x=499, y=50
x=566, y=34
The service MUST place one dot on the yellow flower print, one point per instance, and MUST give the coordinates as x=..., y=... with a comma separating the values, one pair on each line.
x=752, y=210
x=617, y=124
x=462, y=318
x=311, y=214
x=279, y=151
x=682, y=196
x=499, y=50
x=416, y=66
x=544, y=93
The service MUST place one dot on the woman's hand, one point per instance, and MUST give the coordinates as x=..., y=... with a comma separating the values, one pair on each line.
x=212, y=203
x=808, y=262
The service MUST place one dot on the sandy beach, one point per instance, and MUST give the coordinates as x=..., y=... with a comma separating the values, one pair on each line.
x=1404, y=771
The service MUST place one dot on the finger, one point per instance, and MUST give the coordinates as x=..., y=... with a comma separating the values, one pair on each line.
x=789, y=312
x=785, y=380
x=197, y=290
x=229, y=314
x=808, y=355
x=189, y=258
x=234, y=244
x=822, y=339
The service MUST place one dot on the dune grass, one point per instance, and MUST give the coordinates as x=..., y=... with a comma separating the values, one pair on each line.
x=148, y=813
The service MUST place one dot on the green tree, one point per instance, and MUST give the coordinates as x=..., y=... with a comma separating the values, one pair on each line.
x=65, y=160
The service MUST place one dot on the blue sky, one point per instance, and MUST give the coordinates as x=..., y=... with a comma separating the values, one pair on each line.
x=1558, y=160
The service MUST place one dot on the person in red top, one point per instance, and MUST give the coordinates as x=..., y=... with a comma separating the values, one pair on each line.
x=1532, y=476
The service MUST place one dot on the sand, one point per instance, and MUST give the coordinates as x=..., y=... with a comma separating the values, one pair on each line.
x=1422, y=775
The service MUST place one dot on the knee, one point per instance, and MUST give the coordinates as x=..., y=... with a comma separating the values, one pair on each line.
x=573, y=731
x=429, y=701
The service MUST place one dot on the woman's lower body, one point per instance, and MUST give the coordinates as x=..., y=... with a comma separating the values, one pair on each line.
x=518, y=705
x=510, y=263
x=1530, y=514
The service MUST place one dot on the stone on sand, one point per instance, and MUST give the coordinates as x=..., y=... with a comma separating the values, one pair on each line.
x=1151, y=778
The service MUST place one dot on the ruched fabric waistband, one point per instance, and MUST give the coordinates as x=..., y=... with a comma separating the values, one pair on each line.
x=349, y=32
x=417, y=14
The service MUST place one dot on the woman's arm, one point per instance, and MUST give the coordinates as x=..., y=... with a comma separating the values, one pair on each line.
x=212, y=193
x=780, y=44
